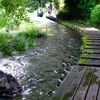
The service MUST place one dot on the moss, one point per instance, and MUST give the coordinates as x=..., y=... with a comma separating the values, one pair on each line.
x=83, y=61
x=55, y=97
x=67, y=24
x=68, y=95
x=88, y=51
x=88, y=43
x=87, y=78
x=85, y=38
x=87, y=46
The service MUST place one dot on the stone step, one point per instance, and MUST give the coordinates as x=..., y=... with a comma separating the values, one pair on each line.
x=97, y=33
x=90, y=56
x=94, y=37
x=89, y=62
x=93, y=41
x=92, y=51
x=90, y=43
x=91, y=47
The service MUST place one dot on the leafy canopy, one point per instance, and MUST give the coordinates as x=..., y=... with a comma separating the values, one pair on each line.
x=12, y=12
x=79, y=9
x=34, y=4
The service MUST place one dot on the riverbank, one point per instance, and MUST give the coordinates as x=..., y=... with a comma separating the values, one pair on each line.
x=83, y=80
x=14, y=43
x=54, y=55
x=91, y=39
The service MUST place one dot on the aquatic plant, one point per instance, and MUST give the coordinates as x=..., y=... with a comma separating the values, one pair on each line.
x=33, y=33
x=12, y=44
x=6, y=43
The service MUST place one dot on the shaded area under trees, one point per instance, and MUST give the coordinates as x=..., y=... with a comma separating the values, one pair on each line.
x=77, y=9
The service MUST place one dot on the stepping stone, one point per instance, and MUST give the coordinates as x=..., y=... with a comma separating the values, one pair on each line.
x=92, y=51
x=89, y=62
x=93, y=38
x=90, y=56
x=92, y=47
x=93, y=41
x=89, y=43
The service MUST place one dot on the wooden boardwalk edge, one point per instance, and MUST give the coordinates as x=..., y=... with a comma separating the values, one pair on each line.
x=83, y=81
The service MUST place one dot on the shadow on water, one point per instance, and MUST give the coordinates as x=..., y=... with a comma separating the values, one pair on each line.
x=41, y=69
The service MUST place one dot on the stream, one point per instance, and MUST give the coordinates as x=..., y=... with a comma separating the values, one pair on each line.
x=42, y=68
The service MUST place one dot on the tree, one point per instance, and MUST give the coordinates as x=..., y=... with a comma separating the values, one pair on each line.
x=86, y=6
x=78, y=9
x=12, y=11
x=34, y=4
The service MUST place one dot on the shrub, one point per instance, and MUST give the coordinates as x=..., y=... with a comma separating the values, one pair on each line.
x=95, y=15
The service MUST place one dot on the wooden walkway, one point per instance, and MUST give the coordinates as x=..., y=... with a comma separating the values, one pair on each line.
x=83, y=81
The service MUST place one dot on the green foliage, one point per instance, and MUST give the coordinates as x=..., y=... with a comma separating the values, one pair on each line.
x=11, y=6
x=32, y=33
x=56, y=4
x=5, y=43
x=32, y=5
x=86, y=6
x=10, y=44
x=80, y=9
x=12, y=12
x=19, y=43
x=95, y=15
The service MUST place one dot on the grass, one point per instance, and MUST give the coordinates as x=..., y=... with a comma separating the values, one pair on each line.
x=12, y=44
x=33, y=33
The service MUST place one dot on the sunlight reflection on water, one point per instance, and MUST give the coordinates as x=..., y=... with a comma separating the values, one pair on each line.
x=13, y=66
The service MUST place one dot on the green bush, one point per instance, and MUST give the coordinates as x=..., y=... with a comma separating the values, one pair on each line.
x=95, y=15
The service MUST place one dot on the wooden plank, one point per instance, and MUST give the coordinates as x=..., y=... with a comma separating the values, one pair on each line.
x=65, y=84
x=98, y=96
x=93, y=90
x=70, y=92
x=89, y=62
x=90, y=56
x=82, y=91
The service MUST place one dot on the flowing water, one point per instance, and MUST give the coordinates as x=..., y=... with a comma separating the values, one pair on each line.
x=42, y=68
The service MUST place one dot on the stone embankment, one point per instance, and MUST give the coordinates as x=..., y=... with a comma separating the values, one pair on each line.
x=83, y=81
